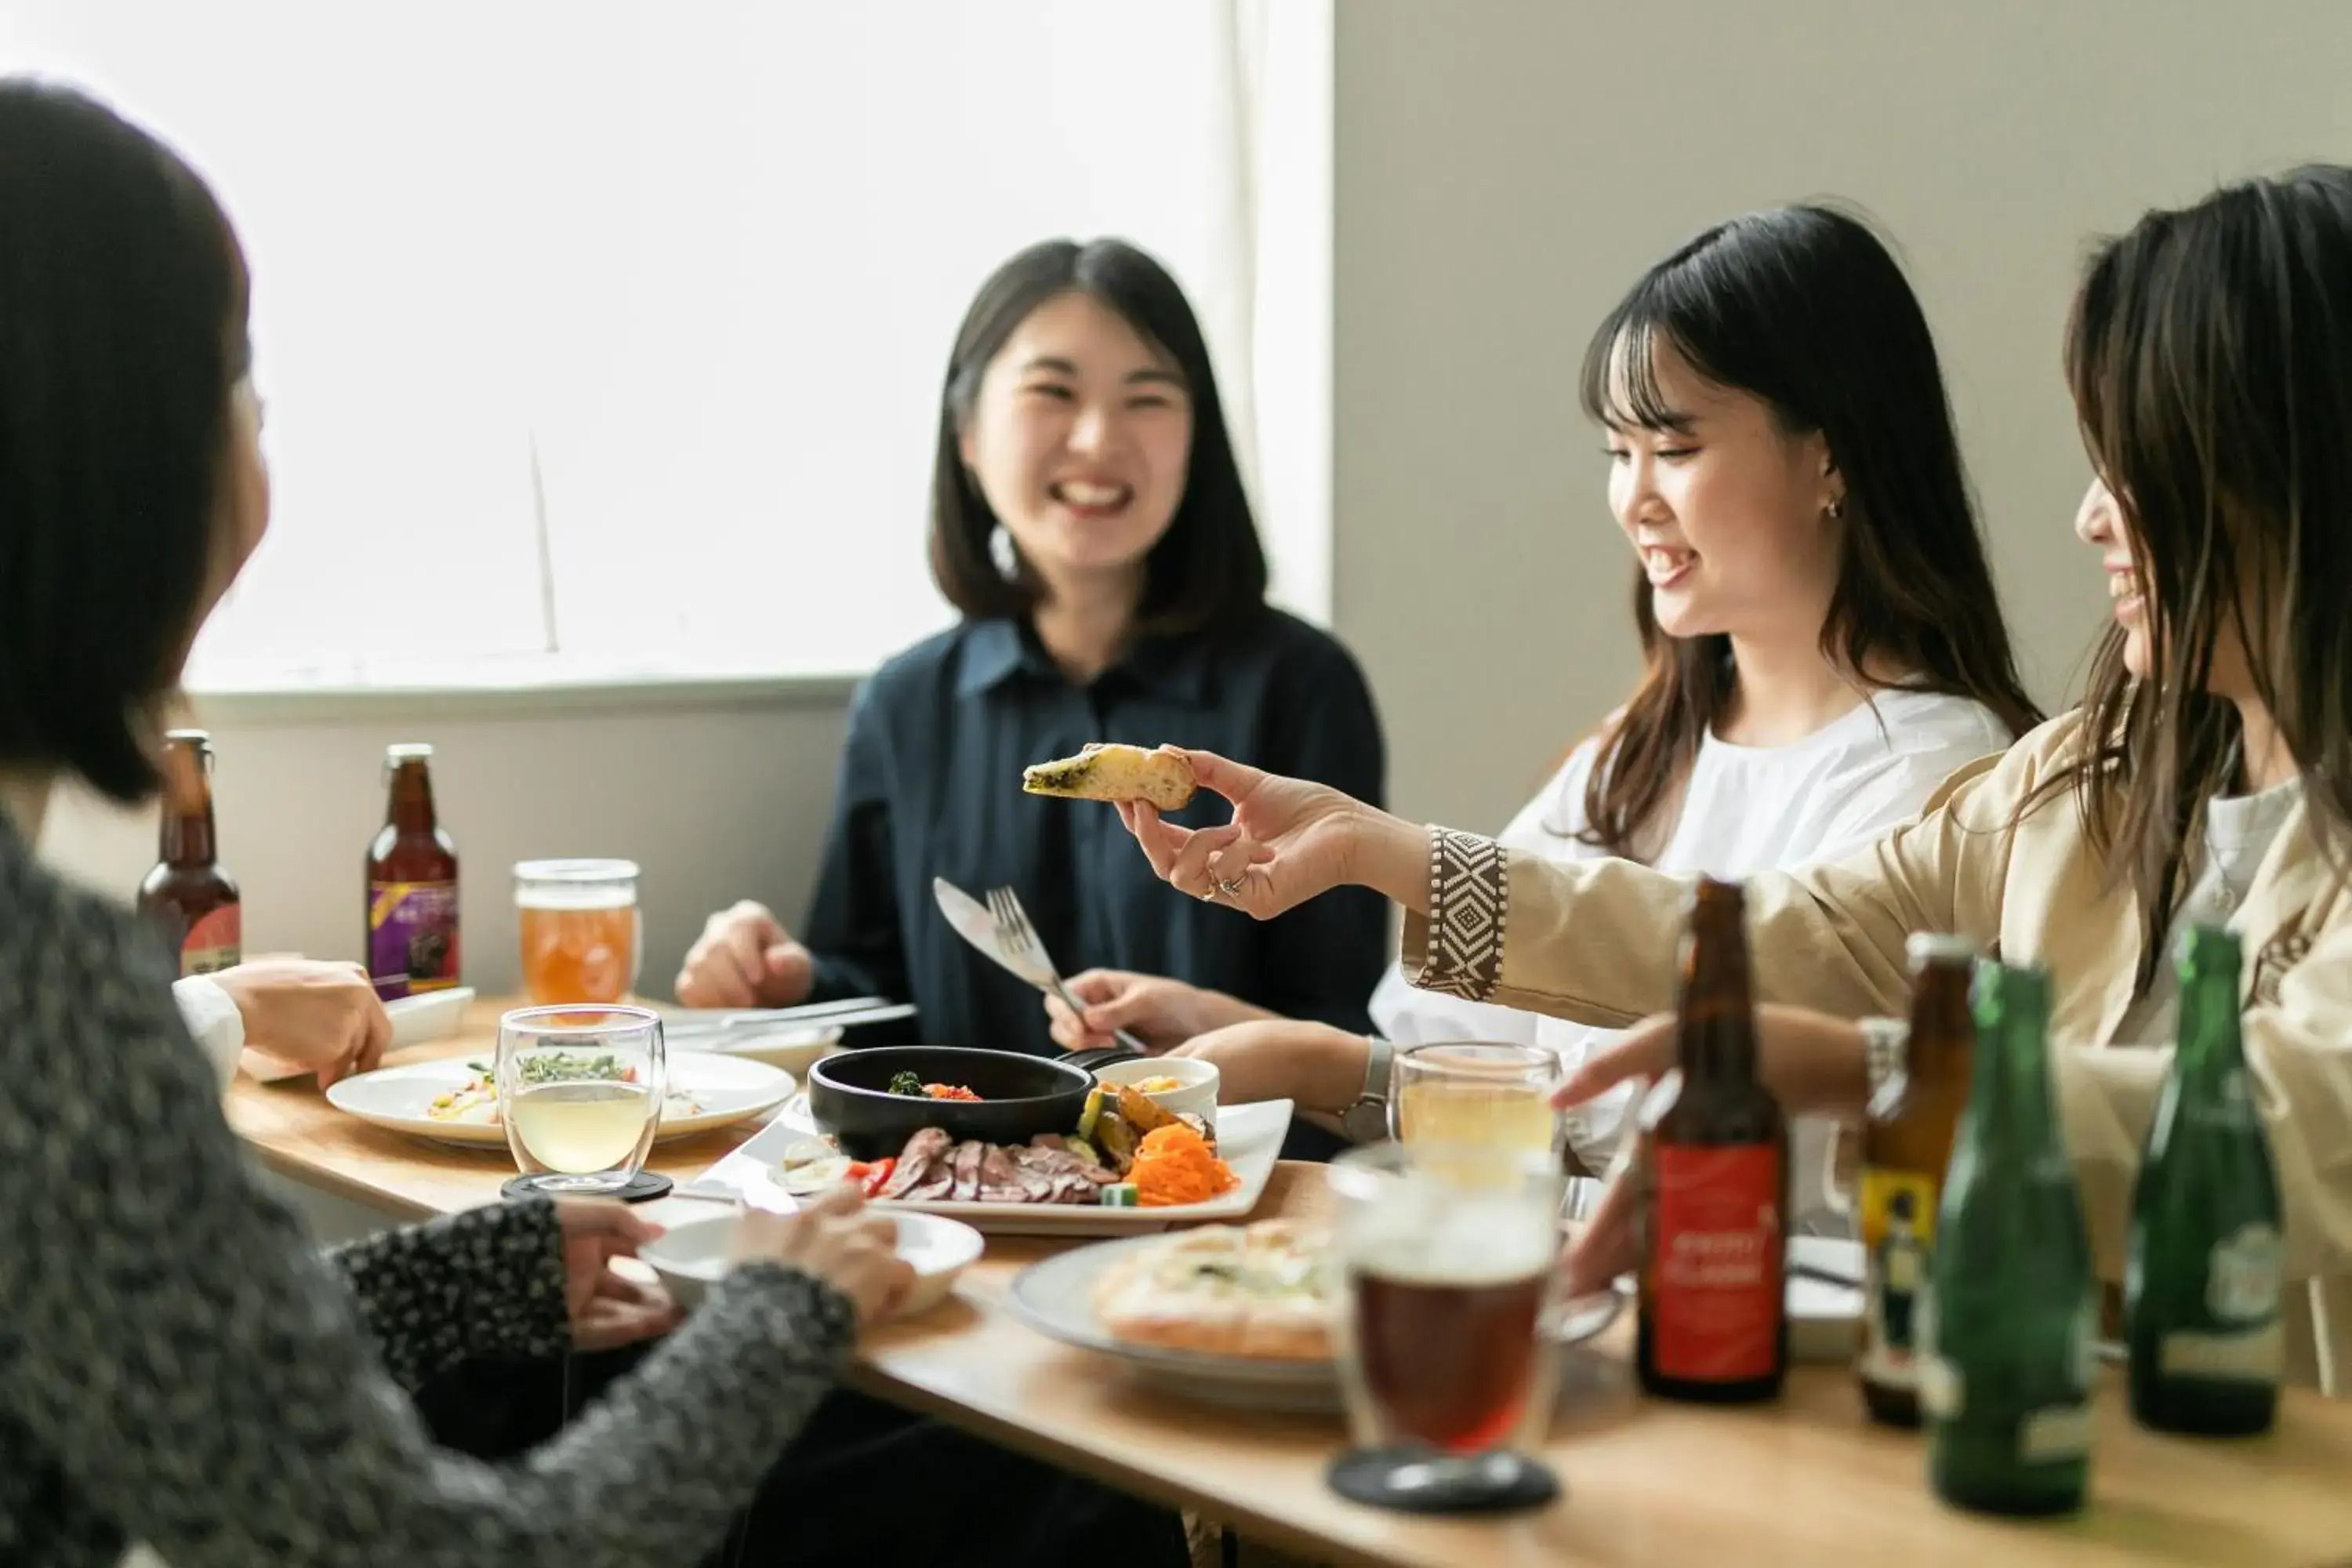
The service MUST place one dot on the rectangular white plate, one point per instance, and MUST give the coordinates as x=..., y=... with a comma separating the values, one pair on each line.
x=1249, y=1138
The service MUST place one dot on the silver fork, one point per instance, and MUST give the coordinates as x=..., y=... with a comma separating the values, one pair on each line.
x=1020, y=941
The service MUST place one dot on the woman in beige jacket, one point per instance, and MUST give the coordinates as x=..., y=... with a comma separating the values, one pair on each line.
x=2207, y=777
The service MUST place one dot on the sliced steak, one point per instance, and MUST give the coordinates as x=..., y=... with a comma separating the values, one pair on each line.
x=968, y=1157
x=937, y=1186
x=1031, y=1169
x=999, y=1177
x=916, y=1162
x=1066, y=1177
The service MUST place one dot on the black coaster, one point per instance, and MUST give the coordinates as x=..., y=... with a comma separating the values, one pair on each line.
x=643, y=1187
x=1420, y=1480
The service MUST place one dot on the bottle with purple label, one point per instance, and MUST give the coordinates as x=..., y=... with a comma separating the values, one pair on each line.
x=412, y=885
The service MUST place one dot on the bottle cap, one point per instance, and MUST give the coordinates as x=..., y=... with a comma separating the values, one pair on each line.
x=1927, y=947
x=2205, y=946
x=407, y=751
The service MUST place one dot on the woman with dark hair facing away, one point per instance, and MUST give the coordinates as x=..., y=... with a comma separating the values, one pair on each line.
x=177, y=1365
x=1821, y=640
x=1088, y=522
x=2206, y=778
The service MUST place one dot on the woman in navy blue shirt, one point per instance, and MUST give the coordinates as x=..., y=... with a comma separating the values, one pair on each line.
x=1089, y=522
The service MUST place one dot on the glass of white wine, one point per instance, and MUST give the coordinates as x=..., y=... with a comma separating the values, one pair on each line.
x=579, y=1095
x=1477, y=1095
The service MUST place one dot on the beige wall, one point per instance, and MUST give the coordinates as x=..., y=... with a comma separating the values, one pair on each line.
x=716, y=800
x=1503, y=170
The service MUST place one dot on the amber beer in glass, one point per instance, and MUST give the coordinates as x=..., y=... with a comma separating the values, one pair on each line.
x=412, y=885
x=1713, y=1315
x=1447, y=1258
x=188, y=897
x=579, y=927
x=1907, y=1142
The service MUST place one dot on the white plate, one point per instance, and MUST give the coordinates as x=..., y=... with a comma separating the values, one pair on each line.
x=1056, y=1297
x=730, y=1091
x=691, y=1257
x=793, y=1049
x=1249, y=1138
x=1824, y=1318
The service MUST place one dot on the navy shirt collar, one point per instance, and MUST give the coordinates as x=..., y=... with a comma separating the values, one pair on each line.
x=1174, y=668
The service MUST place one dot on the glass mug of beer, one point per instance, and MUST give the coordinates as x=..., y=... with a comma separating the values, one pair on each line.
x=579, y=1095
x=1466, y=1092
x=1449, y=1291
x=582, y=936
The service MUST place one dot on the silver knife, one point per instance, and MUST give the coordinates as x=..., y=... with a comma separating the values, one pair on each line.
x=972, y=921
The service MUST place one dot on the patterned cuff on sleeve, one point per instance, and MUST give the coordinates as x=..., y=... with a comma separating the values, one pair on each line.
x=488, y=1283
x=1886, y=1043
x=1469, y=898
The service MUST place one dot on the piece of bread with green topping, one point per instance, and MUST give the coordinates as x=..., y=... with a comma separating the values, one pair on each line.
x=1115, y=773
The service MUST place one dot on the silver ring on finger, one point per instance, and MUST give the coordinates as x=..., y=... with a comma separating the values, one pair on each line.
x=1230, y=887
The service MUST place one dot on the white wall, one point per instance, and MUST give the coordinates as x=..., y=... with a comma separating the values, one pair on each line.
x=1505, y=170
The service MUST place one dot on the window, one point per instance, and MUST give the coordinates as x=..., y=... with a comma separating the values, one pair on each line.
x=608, y=338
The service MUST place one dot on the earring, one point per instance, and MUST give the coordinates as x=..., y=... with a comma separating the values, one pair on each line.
x=1837, y=510
x=1001, y=552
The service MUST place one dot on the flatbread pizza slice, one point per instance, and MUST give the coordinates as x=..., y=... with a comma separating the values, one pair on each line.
x=1102, y=771
x=1254, y=1291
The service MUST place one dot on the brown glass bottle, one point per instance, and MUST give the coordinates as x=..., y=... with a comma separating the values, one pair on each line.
x=412, y=885
x=1714, y=1318
x=1906, y=1143
x=188, y=896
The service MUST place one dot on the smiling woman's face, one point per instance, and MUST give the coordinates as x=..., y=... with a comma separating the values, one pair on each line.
x=2099, y=523
x=1079, y=439
x=1727, y=511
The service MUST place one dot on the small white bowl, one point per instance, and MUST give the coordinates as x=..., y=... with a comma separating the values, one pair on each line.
x=1197, y=1082
x=691, y=1257
x=794, y=1051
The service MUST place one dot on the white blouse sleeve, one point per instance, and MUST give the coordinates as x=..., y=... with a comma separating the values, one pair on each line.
x=214, y=1021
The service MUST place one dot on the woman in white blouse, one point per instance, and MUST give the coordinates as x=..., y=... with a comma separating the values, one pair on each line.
x=1823, y=641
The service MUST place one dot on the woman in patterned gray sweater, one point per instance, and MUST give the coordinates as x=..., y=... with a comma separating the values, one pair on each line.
x=176, y=1366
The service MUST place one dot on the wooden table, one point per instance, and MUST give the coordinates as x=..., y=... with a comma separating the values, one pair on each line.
x=1807, y=1480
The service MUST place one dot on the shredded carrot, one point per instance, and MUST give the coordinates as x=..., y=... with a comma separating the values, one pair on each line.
x=1174, y=1165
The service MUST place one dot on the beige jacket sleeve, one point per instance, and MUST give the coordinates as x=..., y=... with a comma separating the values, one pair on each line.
x=1596, y=942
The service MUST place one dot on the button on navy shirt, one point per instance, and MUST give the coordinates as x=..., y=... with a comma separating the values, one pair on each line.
x=930, y=786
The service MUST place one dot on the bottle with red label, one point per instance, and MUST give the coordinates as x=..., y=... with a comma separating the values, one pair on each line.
x=412, y=885
x=188, y=896
x=1714, y=1319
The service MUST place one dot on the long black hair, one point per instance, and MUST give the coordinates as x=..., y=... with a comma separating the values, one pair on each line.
x=1803, y=308
x=122, y=336
x=1208, y=569
x=2210, y=354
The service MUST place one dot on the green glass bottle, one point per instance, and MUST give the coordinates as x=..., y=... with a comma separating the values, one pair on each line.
x=2201, y=1269
x=2009, y=1344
